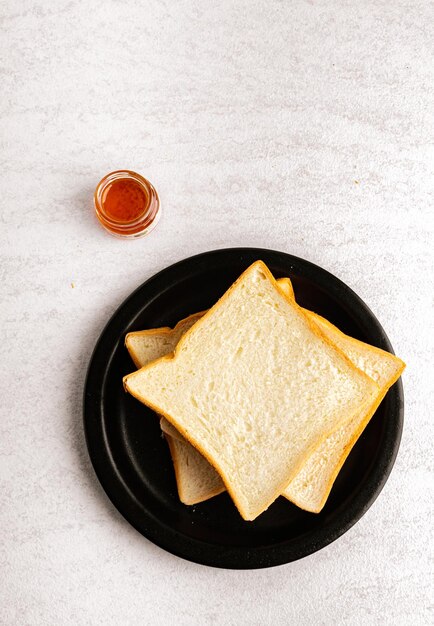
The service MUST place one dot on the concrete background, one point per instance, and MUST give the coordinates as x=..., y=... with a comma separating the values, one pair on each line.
x=303, y=126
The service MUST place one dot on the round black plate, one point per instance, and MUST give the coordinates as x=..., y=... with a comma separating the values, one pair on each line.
x=132, y=460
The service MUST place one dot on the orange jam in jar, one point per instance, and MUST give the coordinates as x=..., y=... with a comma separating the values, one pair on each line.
x=126, y=204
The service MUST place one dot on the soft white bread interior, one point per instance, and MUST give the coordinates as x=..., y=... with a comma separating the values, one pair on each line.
x=255, y=387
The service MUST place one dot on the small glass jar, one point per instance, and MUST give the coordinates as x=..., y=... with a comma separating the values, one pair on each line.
x=126, y=204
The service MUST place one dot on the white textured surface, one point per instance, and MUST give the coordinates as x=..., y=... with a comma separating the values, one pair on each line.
x=253, y=119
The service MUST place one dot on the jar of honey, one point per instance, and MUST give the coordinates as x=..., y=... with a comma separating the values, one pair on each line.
x=126, y=204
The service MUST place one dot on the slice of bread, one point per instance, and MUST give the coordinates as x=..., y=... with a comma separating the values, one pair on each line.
x=196, y=478
x=255, y=387
x=312, y=485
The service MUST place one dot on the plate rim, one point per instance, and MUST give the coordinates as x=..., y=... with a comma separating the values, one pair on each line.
x=203, y=553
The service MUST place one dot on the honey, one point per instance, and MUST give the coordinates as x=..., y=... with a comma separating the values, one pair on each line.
x=127, y=204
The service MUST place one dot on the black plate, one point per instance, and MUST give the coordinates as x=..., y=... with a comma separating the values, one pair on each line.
x=132, y=460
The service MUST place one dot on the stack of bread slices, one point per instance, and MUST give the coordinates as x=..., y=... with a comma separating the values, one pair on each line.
x=258, y=396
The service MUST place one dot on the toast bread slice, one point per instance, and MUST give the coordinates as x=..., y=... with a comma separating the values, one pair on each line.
x=255, y=387
x=198, y=481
